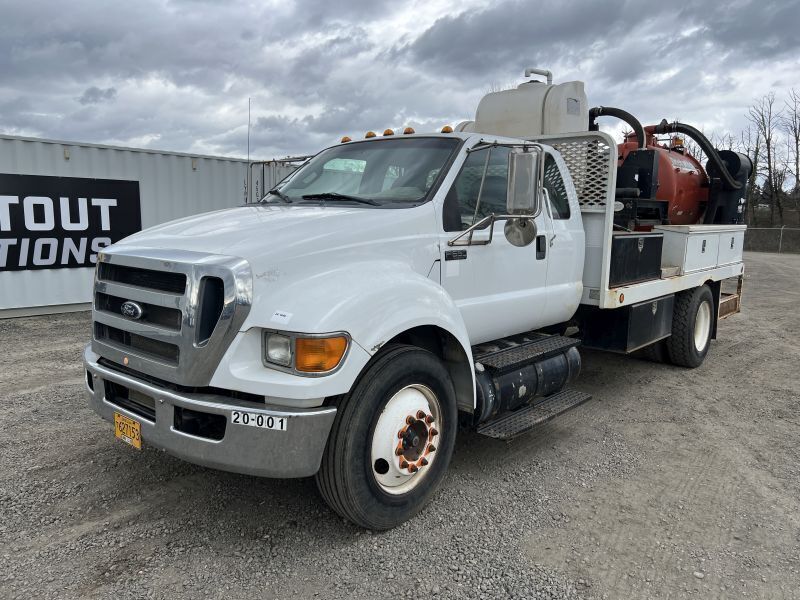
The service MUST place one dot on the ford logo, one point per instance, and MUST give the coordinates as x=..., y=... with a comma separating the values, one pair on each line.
x=131, y=309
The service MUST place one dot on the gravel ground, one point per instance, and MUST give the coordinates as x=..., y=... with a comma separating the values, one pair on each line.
x=670, y=483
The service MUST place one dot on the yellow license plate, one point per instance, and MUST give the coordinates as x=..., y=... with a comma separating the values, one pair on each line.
x=128, y=430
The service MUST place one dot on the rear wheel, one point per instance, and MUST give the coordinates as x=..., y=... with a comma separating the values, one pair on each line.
x=692, y=323
x=391, y=441
x=656, y=352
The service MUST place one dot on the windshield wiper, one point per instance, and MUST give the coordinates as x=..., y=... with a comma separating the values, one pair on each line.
x=279, y=194
x=338, y=196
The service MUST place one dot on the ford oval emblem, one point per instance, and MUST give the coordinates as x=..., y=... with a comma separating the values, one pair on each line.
x=131, y=309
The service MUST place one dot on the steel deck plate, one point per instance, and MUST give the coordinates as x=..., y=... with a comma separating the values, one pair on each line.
x=512, y=424
x=526, y=353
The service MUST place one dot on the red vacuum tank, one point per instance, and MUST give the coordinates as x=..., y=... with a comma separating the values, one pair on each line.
x=682, y=181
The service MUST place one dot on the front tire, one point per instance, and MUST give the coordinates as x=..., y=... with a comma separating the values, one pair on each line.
x=692, y=323
x=391, y=441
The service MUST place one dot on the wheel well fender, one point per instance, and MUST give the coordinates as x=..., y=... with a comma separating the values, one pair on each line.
x=449, y=349
x=377, y=301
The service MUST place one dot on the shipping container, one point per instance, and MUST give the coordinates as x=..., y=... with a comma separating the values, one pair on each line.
x=61, y=202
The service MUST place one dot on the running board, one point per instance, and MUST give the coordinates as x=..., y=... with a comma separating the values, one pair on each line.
x=514, y=423
x=521, y=350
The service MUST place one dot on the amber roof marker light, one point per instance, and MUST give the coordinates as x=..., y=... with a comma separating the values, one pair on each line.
x=408, y=131
x=370, y=134
x=447, y=129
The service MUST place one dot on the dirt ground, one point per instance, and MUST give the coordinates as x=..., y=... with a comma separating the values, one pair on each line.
x=670, y=483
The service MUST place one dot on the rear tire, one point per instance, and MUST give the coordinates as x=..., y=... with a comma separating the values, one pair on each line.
x=692, y=323
x=361, y=476
x=656, y=352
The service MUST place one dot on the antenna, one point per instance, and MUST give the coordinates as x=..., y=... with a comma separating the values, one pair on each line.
x=248, y=130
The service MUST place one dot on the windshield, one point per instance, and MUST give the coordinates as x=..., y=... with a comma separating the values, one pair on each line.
x=381, y=172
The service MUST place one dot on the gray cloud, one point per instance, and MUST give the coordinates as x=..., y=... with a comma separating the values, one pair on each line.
x=94, y=95
x=180, y=72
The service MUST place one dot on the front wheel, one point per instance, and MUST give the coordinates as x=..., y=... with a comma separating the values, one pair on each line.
x=391, y=441
x=692, y=323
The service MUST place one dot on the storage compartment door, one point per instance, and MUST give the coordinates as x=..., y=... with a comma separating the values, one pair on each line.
x=635, y=257
x=731, y=245
x=701, y=252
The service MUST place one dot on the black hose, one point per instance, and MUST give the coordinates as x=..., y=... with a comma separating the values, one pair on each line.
x=599, y=111
x=705, y=146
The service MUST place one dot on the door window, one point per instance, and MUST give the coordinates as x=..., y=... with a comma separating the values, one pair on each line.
x=556, y=190
x=462, y=207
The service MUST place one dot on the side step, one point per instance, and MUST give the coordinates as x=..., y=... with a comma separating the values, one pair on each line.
x=524, y=350
x=514, y=423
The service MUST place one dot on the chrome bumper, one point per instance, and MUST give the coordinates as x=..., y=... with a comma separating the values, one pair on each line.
x=295, y=452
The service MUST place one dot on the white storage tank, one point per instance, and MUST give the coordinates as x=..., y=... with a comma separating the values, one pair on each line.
x=62, y=202
x=532, y=109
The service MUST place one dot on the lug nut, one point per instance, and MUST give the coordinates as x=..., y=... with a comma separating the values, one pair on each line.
x=431, y=448
x=410, y=420
x=429, y=419
x=420, y=414
x=399, y=451
x=412, y=468
x=423, y=461
x=434, y=432
x=403, y=464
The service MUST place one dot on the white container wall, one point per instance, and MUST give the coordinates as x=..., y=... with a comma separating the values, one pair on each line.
x=53, y=220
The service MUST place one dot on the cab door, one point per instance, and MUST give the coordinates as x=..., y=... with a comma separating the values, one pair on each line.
x=500, y=289
x=565, y=241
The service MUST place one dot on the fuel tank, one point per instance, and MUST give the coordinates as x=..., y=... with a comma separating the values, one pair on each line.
x=681, y=180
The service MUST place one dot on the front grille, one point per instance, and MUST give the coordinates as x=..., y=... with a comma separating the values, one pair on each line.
x=153, y=314
x=162, y=281
x=139, y=344
x=183, y=311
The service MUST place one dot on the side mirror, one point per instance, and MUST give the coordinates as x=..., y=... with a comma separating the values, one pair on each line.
x=524, y=182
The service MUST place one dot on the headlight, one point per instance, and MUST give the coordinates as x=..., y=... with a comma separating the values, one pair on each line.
x=305, y=354
x=278, y=348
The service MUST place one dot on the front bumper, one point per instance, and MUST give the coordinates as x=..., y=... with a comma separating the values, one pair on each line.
x=295, y=452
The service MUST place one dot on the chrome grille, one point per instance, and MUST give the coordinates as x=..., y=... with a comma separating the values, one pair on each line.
x=164, y=281
x=188, y=308
x=154, y=314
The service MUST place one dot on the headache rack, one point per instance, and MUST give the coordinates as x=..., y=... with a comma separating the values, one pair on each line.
x=591, y=159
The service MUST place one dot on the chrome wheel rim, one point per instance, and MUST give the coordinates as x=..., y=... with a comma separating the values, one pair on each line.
x=702, y=326
x=405, y=438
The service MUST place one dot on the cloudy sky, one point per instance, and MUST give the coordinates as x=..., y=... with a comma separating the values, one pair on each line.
x=176, y=74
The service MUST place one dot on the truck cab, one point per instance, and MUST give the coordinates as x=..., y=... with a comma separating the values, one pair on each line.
x=388, y=292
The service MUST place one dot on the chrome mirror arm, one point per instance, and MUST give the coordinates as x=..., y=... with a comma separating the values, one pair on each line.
x=457, y=241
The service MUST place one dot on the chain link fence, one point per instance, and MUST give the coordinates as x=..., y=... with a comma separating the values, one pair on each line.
x=772, y=239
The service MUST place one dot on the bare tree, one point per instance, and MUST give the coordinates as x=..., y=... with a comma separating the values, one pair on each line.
x=765, y=119
x=790, y=123
x=750, y=144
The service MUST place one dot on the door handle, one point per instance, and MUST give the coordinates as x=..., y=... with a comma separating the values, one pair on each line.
x=541, y=247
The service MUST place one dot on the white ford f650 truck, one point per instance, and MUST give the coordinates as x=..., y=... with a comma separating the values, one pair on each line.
x=396, y=288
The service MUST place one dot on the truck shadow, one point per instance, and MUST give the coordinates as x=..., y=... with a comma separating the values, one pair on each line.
x=225, y=510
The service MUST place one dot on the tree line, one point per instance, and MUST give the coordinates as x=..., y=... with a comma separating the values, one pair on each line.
x=772, y=141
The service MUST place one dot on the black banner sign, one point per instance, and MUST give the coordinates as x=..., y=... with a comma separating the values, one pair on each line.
x=63, y=222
